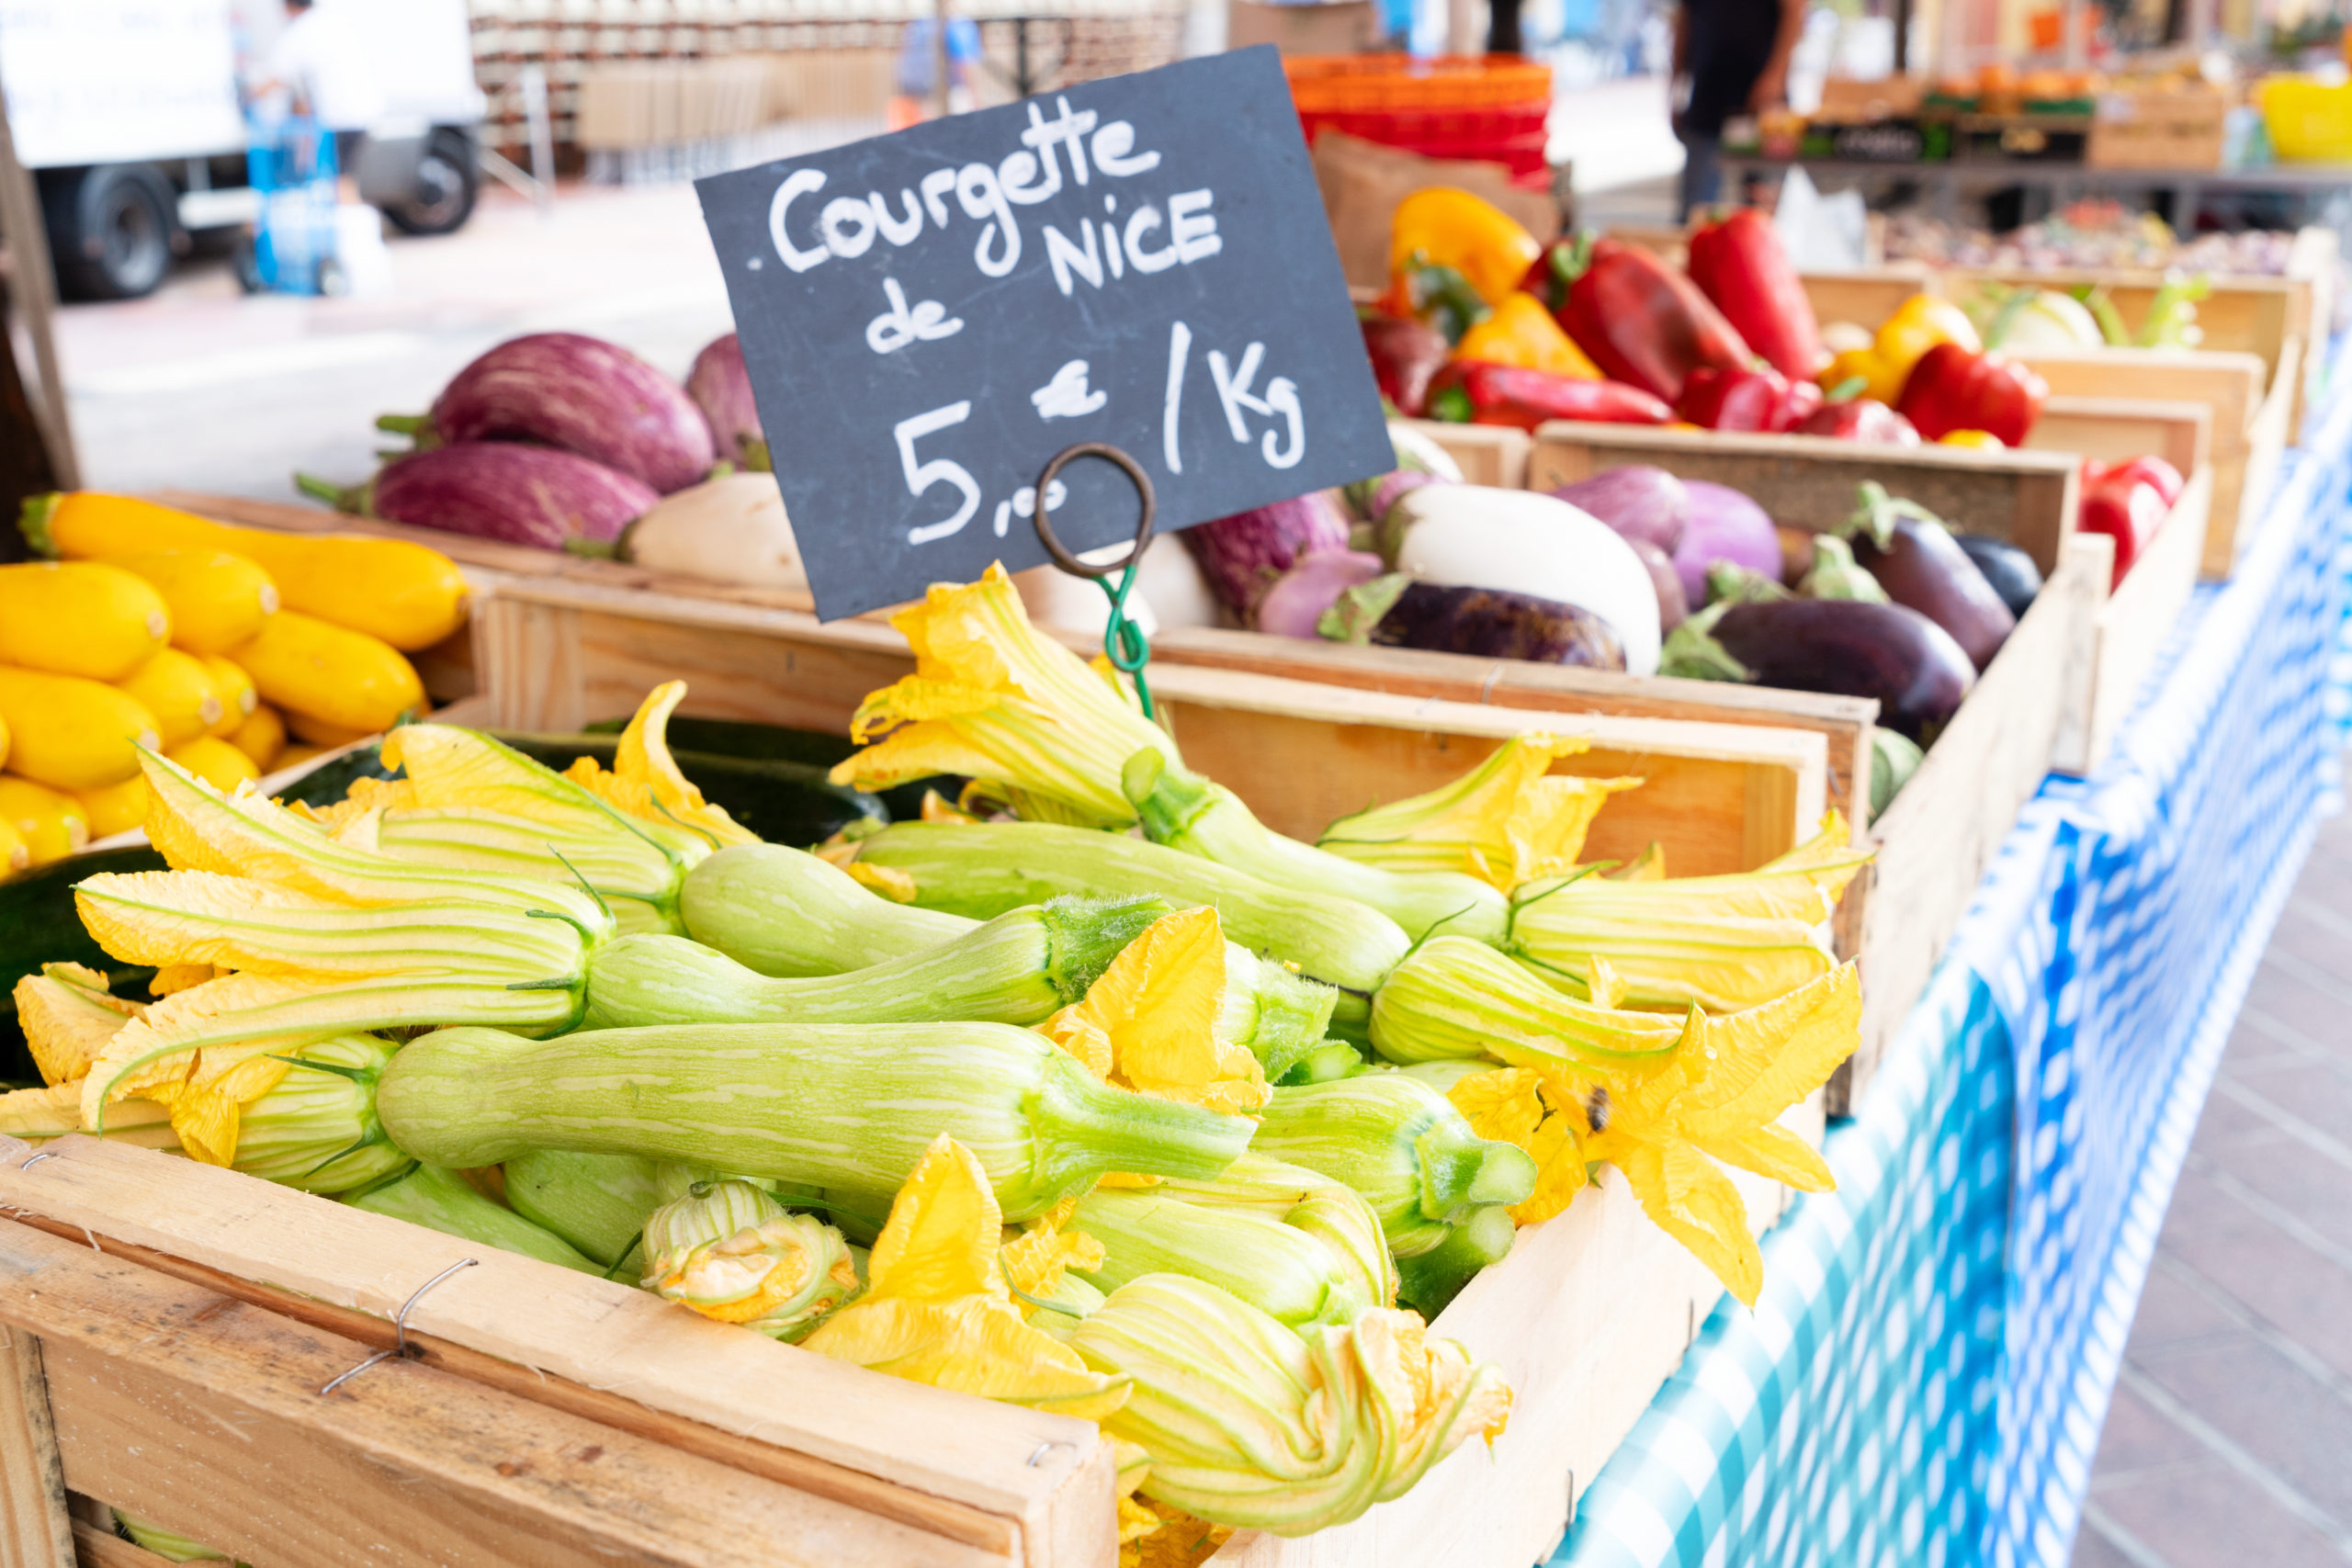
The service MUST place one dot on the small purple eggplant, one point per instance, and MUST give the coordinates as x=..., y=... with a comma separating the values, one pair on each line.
x=580, y=394
x=1646, y=504
x=1918, y=563
x=498, y=489
x=1851, y=647
x=721, y=387
x=1486, y=622
x=1241, y=555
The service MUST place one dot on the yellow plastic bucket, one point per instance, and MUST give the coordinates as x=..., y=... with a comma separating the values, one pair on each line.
x=2308, y=122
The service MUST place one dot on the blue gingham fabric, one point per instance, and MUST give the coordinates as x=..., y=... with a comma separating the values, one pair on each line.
x=1925, y=1375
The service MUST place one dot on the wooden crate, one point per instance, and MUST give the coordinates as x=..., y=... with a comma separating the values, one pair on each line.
x=2137, y=617
x=179, y=1306
x=554, y=655
x=2250, y=426
x=2032, y=703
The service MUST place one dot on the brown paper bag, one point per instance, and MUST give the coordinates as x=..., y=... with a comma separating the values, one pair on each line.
x=1362, y=182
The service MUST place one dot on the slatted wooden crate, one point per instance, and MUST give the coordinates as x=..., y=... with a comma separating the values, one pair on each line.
x=186, y=1316
x=166, y=1328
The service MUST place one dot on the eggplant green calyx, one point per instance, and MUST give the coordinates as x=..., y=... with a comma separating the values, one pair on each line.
x=1355, y=613
x=1876, y=513
x=1837, y=575
x=1692, y=653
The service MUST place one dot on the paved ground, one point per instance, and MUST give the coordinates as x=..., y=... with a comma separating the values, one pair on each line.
x=2230, y=1441
x=202, y=387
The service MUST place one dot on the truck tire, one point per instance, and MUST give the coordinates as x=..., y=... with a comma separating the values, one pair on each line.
x=112, y=229
x=448, y=179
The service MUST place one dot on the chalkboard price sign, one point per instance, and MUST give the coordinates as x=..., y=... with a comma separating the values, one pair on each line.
x=928, y=317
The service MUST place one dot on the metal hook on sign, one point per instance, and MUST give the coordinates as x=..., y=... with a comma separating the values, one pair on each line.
x=1122, y=641
x=399, y=1350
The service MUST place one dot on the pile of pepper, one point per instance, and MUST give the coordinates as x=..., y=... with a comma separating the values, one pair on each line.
x=1482, y=324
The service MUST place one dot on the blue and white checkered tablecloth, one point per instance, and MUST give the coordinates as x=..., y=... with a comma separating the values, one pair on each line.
x=1923, y=1378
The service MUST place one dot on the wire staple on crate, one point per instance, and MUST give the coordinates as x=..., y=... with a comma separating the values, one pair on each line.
x=399, y=1350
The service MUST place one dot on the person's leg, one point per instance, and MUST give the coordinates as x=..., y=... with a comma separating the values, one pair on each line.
x=1702, y=176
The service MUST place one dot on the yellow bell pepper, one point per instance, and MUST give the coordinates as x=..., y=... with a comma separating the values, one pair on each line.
x=1917, y=325
x=1444, y=227
x=1521, y=332
x=1981, y=440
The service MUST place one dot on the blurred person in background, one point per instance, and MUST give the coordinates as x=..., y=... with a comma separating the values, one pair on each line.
x=1731, y=57
x=319, y=65
x=916, y=77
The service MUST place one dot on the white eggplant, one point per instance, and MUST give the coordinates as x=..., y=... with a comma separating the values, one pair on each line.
x=731, y=529
x=1169, y=591
x=1521, y=541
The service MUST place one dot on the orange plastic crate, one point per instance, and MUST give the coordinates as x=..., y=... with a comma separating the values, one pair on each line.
x=1374, y=84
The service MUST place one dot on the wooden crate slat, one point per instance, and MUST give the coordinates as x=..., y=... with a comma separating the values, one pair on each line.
x=603, y=1335
x=1808, y=481
x=35, y=1529
x=557, y=655
x=96, y=1547
x=203, y=1414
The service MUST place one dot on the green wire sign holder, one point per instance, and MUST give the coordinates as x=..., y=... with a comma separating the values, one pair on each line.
x=1124, y=643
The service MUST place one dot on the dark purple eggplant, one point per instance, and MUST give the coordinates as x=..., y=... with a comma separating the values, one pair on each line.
x=584, y=395
x=1492, y=624
x=1242, y=555
x=499, y=489
x=1917, y=560
x=1850, y=648
x=1664, y=577
x=721, y=387
x=1647, y=505
x=2010, y=569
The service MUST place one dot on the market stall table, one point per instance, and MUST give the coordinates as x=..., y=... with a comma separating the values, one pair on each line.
x=1946, y=178
x=1925, y=1376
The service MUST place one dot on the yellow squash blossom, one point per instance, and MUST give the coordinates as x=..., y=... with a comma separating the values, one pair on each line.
x=68, y=1015
x=1541, y=1113
x=1251, y=1424
x=1722, y=942
x=1509, y=820
x=1035, y=1261
x=1731, y=1081
x=645, y=781
x=1149, y=1022
x=993, y=700
x=732, y=1253
x=937, y=1310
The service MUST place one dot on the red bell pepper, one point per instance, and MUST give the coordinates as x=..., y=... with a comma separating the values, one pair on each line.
x=1860, y=419
x=1741, y=266
x=1643, y=322
x=1951, y=388
x=2127, y=502
x=1470, y=391
x=1761, y=400
x=1405, y=355
x=2155, y=470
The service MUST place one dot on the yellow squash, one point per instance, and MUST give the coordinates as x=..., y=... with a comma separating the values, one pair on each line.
x=262, y=736
x=79, y=618
x=70, y=733
x=14, y=855
x=315, y=731
x=178, y=689
x=50, y=821
x=409, y=596
x=215, y=761
x=217, y=600
x=116, y=808
x=347, y=679
x=235, y=690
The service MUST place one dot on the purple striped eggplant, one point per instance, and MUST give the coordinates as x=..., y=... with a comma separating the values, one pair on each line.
x=580, y=394
x=499, y=489
x=1242, y=555
x=721, y=387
